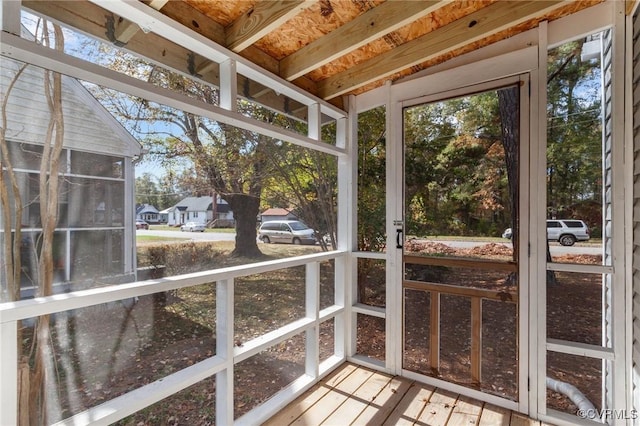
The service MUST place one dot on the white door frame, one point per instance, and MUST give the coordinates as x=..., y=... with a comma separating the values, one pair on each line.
x=396, y=266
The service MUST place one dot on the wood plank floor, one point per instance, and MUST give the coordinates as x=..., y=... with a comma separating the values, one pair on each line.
x=354, y=395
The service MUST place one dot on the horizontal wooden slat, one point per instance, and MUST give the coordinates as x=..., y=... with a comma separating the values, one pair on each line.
x=462, y=262
x=504, y=296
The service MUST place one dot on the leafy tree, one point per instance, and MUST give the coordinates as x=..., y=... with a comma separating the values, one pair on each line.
x=150, y=190
x=371, y=182
x=574, y=135
x=305, y=181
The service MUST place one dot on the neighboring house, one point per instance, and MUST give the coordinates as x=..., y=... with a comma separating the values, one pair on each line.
x=277, y=214
x=148, y=213
x=163, y=215
x=200, y=210
x=94, y=236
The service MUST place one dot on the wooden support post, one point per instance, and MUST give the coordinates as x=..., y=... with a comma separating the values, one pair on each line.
x=435, y=332
x=476, y=339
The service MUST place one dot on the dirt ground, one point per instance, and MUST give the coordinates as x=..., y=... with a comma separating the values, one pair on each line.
x=102, y=352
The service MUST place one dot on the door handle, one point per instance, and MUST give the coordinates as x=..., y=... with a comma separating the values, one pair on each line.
x=398, y=240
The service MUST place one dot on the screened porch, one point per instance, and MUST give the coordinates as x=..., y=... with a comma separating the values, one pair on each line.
x=428, y=144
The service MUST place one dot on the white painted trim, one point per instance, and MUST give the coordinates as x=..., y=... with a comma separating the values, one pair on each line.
x=374, y=311
x=314, y=121
x=9, y=373
x=394, y=224
x=29, y=52
x=588, y=21
x=260, y=343
x=560, y=418
x=130, y=262
x=374, y=364
x=577, y=267
x=580, y=349
x=370, y=255
x=229, y=85
x=537, y=231
x=464, y=90
x=462, y=390
x=10, y=16
x=312, y=310
x=225, y=317
x=330, y=312
x=629, y=191
x=127, y=404
x=23, y=309
x=151, y=20
x=508, y=64
x=620, y=340
x=524, y=284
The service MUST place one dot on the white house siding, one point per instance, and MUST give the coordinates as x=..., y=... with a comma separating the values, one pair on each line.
x=607, y=326
x=636, y=218
x=88, y=126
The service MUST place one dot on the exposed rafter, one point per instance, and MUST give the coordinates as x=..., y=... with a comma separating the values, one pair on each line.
x=476, y=26
x=260, y=21
x=371, y=25
x=328, y=48
x=90, y=18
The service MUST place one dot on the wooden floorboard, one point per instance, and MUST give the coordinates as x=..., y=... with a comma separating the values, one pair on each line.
x=354, y=395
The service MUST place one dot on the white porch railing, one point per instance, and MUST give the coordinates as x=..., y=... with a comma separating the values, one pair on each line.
x=221, y=364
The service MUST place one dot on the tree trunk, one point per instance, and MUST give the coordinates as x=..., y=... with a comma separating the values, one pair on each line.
x=508, y=103
x=245, y=211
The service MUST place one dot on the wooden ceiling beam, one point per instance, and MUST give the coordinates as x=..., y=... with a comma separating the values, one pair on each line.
x=263, y=18
x=476, y=26
x=371, y=25
x=90, y=19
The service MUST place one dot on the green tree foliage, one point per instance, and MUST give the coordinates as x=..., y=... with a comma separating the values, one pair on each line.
x=455, y=168
x=157, y=192
x=371, y=180
x=574, y=135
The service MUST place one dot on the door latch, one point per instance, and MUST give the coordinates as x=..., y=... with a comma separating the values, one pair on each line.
x=399, y=238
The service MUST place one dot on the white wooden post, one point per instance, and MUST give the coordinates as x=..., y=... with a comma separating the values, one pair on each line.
x=9, y=374
x=312, y=298
x=224, y=349
x=345, y=267
x=10, y=16
x=228, y=85
x=314, y=122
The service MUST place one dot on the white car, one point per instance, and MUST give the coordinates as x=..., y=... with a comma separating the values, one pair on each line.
x=286, y=231
x=192, y=227
x=564, y=231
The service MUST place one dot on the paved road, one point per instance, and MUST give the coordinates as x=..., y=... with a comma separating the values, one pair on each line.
x=556, y=249
x=196, y=236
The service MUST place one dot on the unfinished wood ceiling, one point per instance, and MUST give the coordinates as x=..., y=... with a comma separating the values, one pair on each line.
x=328, y=47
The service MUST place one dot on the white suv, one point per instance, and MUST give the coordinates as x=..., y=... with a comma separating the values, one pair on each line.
x=567, y=231
x=564, y=231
